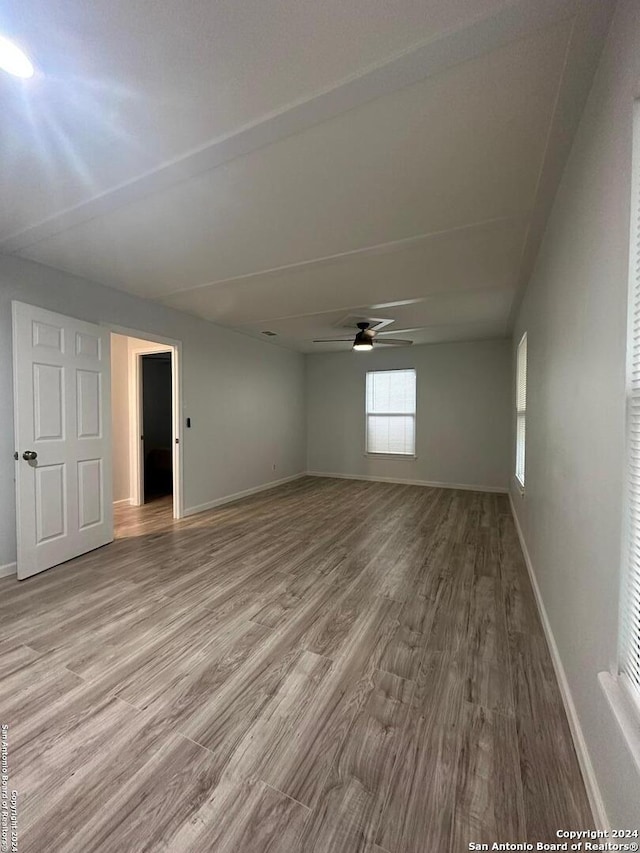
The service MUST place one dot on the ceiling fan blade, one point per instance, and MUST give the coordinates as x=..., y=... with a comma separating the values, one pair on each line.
x=331, y=340
x=394, y=342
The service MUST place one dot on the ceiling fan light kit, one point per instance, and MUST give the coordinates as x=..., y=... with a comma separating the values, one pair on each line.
x=362, y=343
x=364, y=339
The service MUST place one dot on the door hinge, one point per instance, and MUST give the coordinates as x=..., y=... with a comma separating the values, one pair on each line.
x=16, y=455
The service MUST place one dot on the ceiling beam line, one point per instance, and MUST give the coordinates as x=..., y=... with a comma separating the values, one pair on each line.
x=377, y=249
x=368, y=309
x=513, y=22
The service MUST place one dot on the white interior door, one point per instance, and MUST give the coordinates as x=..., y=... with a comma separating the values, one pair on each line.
x=62, y=404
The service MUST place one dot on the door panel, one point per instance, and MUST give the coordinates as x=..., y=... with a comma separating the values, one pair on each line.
x=50, y=502
x=48, y=400
x=46, y=335
x=62, y=413
x=88, y=402
x=88, y=345
x=91, y=489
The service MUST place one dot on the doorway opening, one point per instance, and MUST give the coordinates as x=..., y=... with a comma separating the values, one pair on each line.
x=145, y=413
x=156, y=439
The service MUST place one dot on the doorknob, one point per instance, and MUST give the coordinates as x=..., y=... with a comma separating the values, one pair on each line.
x=29, y=455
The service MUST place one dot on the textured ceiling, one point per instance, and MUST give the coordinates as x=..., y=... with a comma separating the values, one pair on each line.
x=279, y=165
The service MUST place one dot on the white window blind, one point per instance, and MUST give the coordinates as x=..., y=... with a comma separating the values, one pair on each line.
x=521, y=407
x=391, y=412
x=630, y=651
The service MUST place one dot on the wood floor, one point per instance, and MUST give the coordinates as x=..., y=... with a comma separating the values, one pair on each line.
x=332, y=666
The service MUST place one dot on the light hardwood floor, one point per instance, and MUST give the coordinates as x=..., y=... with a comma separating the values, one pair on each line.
x=333, y=666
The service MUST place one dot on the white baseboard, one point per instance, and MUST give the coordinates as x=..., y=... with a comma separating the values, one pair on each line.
x=464, y=486
x=122, y=501
x=193, y=510
x=8, y=569
x=588, y=774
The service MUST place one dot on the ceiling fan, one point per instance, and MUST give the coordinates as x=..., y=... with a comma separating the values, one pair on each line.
x=365, y=338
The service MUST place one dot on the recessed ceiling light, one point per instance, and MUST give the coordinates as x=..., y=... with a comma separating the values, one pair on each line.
x=13, y=60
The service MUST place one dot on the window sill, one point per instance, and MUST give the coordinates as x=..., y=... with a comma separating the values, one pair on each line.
x=390, y=455
x=519, y=486
x=625, y=710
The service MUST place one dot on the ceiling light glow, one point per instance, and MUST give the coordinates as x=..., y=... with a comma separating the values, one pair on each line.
x=363, y=342
x=14, y=61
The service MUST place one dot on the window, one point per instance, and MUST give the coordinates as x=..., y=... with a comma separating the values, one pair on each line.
x=391, y=412
x=630, y=633
x=521, y=408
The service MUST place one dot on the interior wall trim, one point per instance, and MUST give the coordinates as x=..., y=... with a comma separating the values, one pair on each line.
x=8, y=569
x=579, y=740
x=432, y=483
x=272, y=484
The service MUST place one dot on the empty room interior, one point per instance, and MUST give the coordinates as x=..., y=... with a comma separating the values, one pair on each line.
x=320, y=426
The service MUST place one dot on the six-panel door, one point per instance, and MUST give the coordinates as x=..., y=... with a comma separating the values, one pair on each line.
x=62, y=414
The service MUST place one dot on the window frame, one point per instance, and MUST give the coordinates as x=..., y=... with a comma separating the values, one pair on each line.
x=367, y=415
x=520, y=469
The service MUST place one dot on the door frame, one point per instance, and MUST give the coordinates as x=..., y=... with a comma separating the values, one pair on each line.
x=156, y=343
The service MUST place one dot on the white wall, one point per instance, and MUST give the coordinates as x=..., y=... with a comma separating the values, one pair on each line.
x=120, y=416
x=245, y=397
x=574, y=315
x=463, y=399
